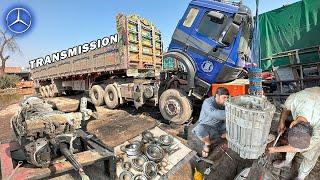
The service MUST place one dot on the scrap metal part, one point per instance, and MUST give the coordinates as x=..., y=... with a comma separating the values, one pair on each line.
x=126, y=175
x=166, y=140
x=154, y=152
x=44, y=133
x=133, y=149
x=139, y=177
x=147, y=137
x=138, y=162
x=126, y=165
x=150, y=169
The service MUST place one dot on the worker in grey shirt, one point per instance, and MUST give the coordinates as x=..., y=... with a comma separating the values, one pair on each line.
x=212, y=124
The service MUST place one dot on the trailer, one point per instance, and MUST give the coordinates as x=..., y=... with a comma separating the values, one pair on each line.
x=115, y=74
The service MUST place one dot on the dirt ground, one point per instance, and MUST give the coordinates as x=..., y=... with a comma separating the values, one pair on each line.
x=110, y=123
x=116, y=123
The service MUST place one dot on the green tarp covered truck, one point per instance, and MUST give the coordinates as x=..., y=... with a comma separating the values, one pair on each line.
x=290, y=34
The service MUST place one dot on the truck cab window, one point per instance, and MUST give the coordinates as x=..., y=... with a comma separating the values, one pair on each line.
x=211, y=27
x=191, y=17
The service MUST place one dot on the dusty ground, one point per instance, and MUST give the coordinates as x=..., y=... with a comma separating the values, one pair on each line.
x=111, y=128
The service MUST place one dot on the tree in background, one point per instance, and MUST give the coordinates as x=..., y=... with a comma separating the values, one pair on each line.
x=8, y=81
x=8, y=45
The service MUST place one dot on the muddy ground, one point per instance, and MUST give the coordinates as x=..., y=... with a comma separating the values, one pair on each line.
x=111, y=123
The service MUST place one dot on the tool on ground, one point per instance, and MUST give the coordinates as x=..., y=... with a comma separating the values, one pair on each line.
x=15, y=169
x=198, y=159
x=226, y=153
x=209, y=169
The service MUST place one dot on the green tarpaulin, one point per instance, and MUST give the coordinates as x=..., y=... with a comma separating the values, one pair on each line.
x=291, y=27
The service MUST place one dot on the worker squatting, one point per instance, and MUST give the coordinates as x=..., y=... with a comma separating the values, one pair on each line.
x=77, y=50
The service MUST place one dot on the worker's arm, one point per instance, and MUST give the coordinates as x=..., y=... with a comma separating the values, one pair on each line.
x=298, y=120
x=284, y=115
x=287, y=148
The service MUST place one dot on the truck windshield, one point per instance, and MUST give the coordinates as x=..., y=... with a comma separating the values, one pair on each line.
x=212, y=28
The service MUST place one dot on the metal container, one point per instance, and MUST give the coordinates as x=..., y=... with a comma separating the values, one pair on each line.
x=248, y=122
x=133, y=149
x=154, y=152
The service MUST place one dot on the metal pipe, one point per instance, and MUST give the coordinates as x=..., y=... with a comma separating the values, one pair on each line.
x=64, y=148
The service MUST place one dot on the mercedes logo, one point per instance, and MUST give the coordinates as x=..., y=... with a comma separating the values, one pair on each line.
x=18, y=20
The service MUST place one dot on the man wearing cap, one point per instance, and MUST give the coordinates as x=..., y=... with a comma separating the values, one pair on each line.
x=212, y=120
x=304, y=131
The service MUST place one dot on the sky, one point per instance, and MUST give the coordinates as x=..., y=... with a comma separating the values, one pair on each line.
x=61, y=24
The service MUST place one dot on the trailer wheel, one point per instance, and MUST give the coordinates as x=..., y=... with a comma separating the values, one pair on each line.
x=41, y=90
x=111, y=97
x=45, y=92
x=50, y=91
x=175, y=106
x=54, y=90
x=96, y=94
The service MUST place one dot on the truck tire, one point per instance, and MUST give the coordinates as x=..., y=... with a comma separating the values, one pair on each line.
x=54, y=90
x=49, y=90
x=96, y=94
x=41, y=90
x=175, y=106
x=45, y=92
x=111, y=97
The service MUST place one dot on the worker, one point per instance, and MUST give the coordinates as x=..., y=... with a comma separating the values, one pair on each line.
x=212, y=118
x=304, y=131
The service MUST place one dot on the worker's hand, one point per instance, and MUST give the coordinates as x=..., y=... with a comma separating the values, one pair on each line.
x=271, y=150
x=298, y=120
x=293, y=123
x=281, y=128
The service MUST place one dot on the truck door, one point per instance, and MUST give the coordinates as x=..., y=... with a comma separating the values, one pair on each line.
x=203, y=43
x=183, y=30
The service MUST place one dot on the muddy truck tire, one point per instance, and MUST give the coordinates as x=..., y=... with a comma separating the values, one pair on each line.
x=175, y=106
x=50, y=91
x=41, y=90
x=45, y=92
x=54, y=90
x=111, y=97
x=96, y=94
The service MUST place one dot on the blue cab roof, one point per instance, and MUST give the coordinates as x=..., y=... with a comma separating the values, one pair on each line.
x=212, y=4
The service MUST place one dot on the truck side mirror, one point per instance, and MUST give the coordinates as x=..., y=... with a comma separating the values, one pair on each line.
x=230, y=34
x=216, y=17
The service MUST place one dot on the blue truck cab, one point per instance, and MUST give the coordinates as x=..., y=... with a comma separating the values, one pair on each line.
x=210, y=45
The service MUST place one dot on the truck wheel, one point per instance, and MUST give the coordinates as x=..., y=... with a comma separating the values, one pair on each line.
x=96, y=94
x=41, y=91
x=111, y=97
x=54, y=90
x=50, y=91
x=45, y=92
x=175, y=106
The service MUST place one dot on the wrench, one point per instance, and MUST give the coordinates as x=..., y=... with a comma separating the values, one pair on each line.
x=198, y=159
x=15, y=169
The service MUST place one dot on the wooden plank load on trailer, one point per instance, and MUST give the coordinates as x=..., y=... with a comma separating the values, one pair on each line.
x=139, y=48
x=120, y=68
